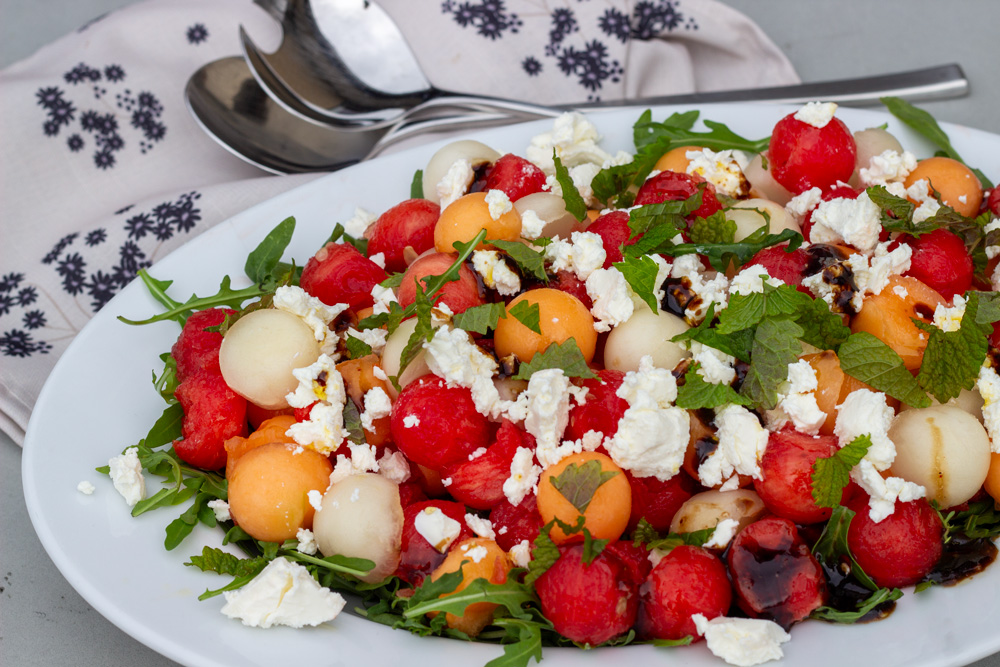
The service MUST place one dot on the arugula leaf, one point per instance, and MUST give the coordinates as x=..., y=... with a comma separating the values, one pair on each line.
x=480, y=319
x=675, y=132
x=646, y=534
x=924, y=124
x=671, y=643
x=831, y=474
x=865, y=607
x=182, y=526
x=574, y=202
x=417, y=185
x=866, y=358
x=579, y=483
x=527, y=644
x=394, y=281
x=528, y=260
x=566, y=355
x=263, y=259
x=166, y=383
x=722, y=255
x=640, y=273
x=424, y=330
x=528, y=314
x=714, y=229
x=775, y=345
x=698, y=393
x=226, y=296
x=167, y=427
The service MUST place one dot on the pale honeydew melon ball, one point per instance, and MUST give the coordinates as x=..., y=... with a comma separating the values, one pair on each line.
x=762, y=183
x=475, y=152
x=944, y=449
x=259, y=353
x=361, y=517
x=871, y=142
x=551, y=208
x=645, y=333
x=968, y=400
x=394, y=345
x=746, y=214
x=706, y=509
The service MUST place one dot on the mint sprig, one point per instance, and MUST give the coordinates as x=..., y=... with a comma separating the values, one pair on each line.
x=831, y=474
x=697, y=393
x=865, y=357
x=566, y=356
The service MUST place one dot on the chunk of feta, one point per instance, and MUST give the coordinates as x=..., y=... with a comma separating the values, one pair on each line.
x=126, y=475
x=743, y=642
x=455, y=182
x=284, y=593
x=452, y=356
x=524, y=476
x=439, y=529
x=612, y=298
x=856, y=222
x=495, y=273
x=742, y=441
x=817, y=114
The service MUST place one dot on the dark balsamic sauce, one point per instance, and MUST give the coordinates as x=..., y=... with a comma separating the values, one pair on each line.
x=678, y=296
x=821, y=256
x=703, y=448
x=962, y=558
x=846, y=594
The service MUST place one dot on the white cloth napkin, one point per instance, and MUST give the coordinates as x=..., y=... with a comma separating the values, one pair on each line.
x=105, y=172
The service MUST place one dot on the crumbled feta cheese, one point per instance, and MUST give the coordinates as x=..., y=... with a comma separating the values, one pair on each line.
x=927, y=209
x=883, y=492
x=377, y=405
x=900, y=291
x=284, y=593
x=382, y=296
x=856, y=222
x=721, y=169
x=452, y=356
x=995, y=279
x=799, y=205
x=544, y=408
x=992, y=250
x=446, y=482
x=582, y=255
x=751, y=280
x=324, y=430
x=888, y=167
x=439, y=529
x=479, y=451
x=797, y=403
x=742, y=441
x=612, y=298
x=86, y=488
x=221, y=509
x=316, y=314
x=532, y=226
x=317, y=382
x=378, y=259
x=817, y=114
x=126, y=475
x=480, y=526
x=362, y=460
x=573, y=138
x=315, y=499
x=884, y=265
x=743, y=642
x=498, y=203
x=866, y=412
x=477, y=554
x=357, y=225
x=455, y=182
x=379, y=373
x=373, y=338
x=950, y=319
x=523, y=478
x=988, y=385
x=520, y=553
x=495, y=273
x=307, y=541
x=652, y=434
x=714, y=290
x=715, y=366
x=411, y=421
x=394, y=467
x=724, y=531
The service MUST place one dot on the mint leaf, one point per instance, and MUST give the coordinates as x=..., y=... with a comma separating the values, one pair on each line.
x=722, y=255
x=356, y=348
x=574, y=202
x=528, y=314
x=579, y=483
x=352, y=422
x=743, y=312
x=592, y=547
x=529, y=261
x=669, y=215
x=221, y=562
x=821, y=327
x=265, y=257
x=866, y=358
x=566, y=355
x=713, y=229
x=775, y=345
x=423, y=332
x=736, y=344
x=417, y=185
x=544, y=554
x=640, y=273
x=697, y=393
x=480, y=319
x=833, y=473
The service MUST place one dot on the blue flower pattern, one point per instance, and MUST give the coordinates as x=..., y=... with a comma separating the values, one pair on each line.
x=579, y=52
x=23, y=323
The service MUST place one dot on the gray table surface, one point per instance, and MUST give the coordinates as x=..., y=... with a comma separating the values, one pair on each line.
x=43, y=621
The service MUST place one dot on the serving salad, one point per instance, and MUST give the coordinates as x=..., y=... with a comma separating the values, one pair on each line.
x=708, y=390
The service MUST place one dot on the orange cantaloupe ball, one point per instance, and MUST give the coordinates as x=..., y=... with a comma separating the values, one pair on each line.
x=833, y=386
x=992, y=483
x=270, y=430
x=955, y=183
x=561, y=316
x=607, y=515
x=889, y=317
x=676, y=159
x=359, y=378
x=493, y=566
x=465, y=217
x=269, y=489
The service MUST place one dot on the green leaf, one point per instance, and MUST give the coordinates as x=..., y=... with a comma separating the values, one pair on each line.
x=865, y=607
x=673, y=134
x=511, y=595
x=158, y=290
x=640, y=273
x=221, y=562
x=263, y=259
x=544, y=554
x=579, y=483
x=480, y=319
x=743, y=312
x=697, y=393
x=714, y=229
x=417, y=185
x=167, y=427
x=182, y=526
x=356, y=348
x=822, y=327
x=866, y=358
x=527, y=646
x=352, y=422
x=166, y=383
x=831, y=474
x=671, y=643
x=775, y=345
x=226, y=296
x=566, y=356
x=528, y=314
x=592, y=547
x=668, y=215
x=529, y=261
x=424, y=330
x=736, y=344
x=722, y=255
x=574, y=202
